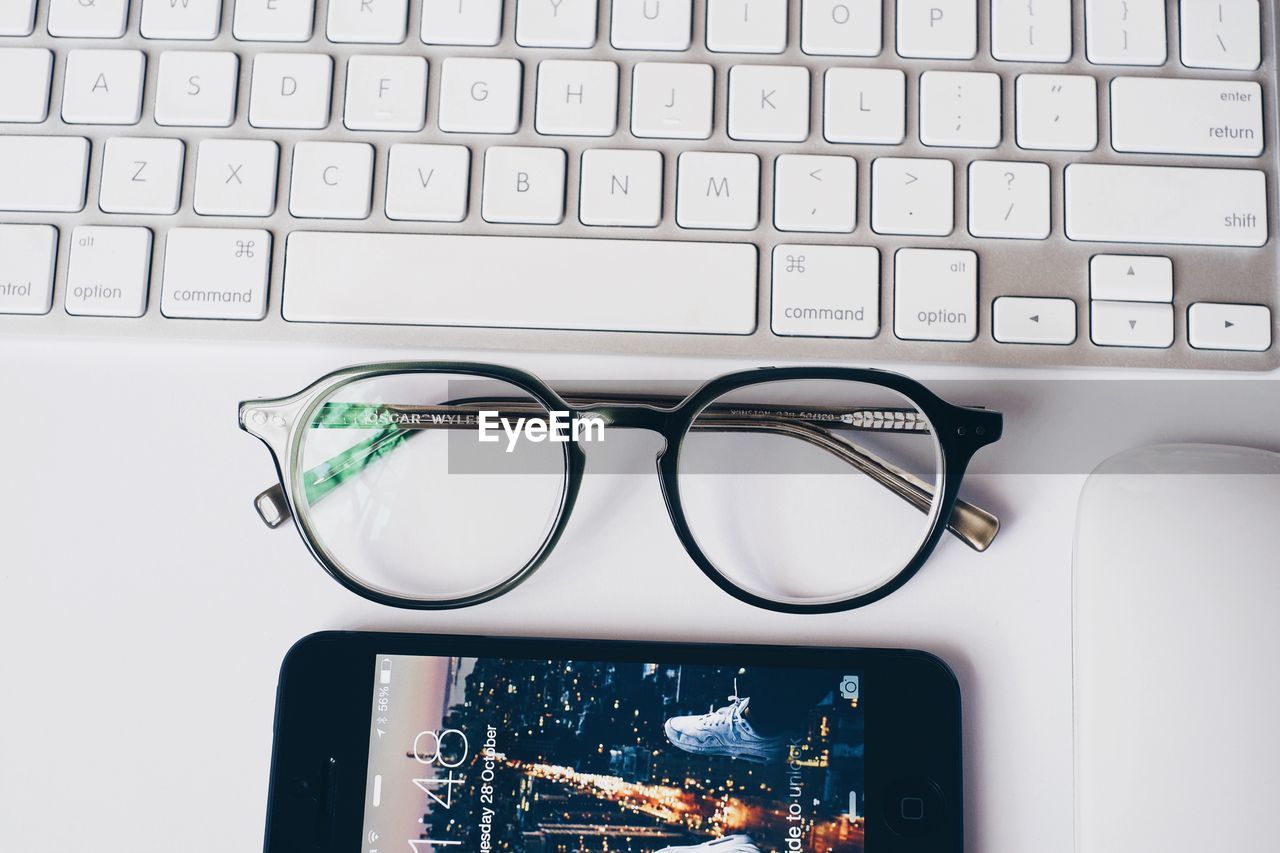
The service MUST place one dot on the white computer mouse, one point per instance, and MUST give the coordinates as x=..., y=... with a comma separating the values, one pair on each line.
x=1177, y=652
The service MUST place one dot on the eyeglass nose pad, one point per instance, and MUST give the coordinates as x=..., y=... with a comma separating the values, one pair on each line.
x=272, y=507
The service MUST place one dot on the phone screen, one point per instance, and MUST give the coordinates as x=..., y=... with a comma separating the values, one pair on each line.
x=481, y=754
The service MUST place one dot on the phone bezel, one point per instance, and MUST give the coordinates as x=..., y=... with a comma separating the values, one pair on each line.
x=324, y=707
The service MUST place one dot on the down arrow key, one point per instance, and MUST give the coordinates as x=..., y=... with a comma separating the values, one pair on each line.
x=1131, y=324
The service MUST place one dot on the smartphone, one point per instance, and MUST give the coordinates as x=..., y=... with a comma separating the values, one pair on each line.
x=406, y=743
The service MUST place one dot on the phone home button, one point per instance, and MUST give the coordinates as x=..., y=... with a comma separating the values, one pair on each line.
x=914, y=807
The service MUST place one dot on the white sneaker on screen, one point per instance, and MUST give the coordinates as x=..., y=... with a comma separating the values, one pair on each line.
x=724, y=731
x=728, y=844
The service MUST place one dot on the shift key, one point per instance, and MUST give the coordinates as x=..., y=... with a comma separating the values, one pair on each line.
x=1166, y=204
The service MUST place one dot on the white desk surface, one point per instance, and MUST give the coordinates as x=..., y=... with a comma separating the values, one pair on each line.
x=145, y=609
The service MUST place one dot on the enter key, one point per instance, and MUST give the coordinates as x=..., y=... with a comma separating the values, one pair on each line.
x=1160, y=115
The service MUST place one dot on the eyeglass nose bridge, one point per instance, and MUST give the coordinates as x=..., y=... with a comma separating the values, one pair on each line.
x=629, y=416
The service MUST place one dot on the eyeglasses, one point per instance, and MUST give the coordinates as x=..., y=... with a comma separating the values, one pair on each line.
x=434, y=485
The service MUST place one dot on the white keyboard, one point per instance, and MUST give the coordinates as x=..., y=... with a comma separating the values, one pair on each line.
x=1003, y=182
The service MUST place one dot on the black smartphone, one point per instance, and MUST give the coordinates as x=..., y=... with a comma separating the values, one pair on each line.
x=408, y=743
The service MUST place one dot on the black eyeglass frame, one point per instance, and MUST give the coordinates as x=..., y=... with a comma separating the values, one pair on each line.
x=960, y=431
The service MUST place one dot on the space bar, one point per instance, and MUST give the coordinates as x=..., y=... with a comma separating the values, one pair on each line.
x=520, y=282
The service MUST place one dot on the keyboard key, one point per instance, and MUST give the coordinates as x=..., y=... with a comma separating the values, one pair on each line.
x=621, y=188
x=368, y=21
x=1222, y=117
x=43, y=174
x=480, y=95
x=236, y=177
x=194, y=20
x=1027, y=320
x=911, y=196
x=197, y=88
x=565, y=23
x=28, y=254
x=29, y=101
x=1009, y=200
x=1131, y=324
x=1221, y=34
x=428, y=183
x=815, y=193
x=475, y=22
x=274, y=20
x=520, y=282
x=769, y=102
x=1215, y=325
x=1166, y=204
x=938, y=29
x=826, y=291
x=523, y=185
x=671, y=100
x=649, y=25
x=840, y=27
x=935, y=295
x=216, y=273
x=1131, y=32
x=100, y=19
x=103, y=87
x=747, y=26
x=386, y=93
x=960, y=109
x=865, y=105
x=1131, y=278
x=141, y=176
x=718, y=191
x=577, y=98
x=108, y=271
x=291, y=90
x=18, y=18
x=1057, y=112
x=1031, y=30
x=331, y=180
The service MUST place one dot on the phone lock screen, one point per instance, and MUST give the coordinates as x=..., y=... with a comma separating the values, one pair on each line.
x=480, y=754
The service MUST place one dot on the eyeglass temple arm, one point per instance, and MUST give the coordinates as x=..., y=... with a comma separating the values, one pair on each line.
x=973, y=525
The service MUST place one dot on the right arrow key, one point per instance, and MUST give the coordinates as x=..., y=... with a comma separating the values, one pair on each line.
x=1226, y=326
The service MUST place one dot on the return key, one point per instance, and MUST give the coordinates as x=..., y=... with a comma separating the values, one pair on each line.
x=1158, y=115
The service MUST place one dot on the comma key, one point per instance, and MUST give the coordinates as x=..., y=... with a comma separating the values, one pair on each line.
x=216, y=273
